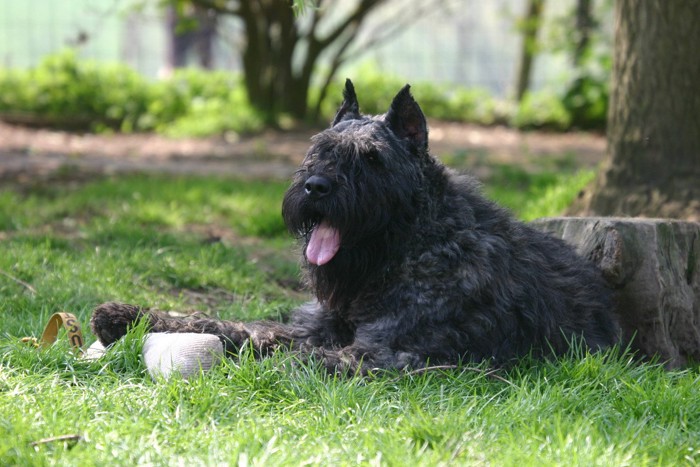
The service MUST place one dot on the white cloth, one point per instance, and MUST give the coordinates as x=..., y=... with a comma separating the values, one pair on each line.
x=186, y=353
x=163, y=353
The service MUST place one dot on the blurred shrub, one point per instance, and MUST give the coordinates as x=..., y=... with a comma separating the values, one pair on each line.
x=63, y=91
x=215, y=102
x=375, y=91
x=586, y=98
x=541, y=110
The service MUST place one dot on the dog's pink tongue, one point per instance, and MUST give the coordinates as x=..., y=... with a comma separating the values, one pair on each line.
x=323, y=244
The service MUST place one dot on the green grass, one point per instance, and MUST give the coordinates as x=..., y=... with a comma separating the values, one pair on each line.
x=534, y=195
x=219, y=245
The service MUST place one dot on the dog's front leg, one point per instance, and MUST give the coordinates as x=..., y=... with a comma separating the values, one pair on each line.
x=110, y=321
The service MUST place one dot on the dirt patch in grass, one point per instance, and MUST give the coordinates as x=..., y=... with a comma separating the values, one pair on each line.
x=39, y=154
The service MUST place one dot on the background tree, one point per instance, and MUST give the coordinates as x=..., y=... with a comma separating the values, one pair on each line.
x=190, y=30
x=653, y=166
x=584, y=24
x=530, y=26
x=281, y=52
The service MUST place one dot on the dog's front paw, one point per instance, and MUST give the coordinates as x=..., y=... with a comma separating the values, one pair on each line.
x=111, y=320
x=335, y=362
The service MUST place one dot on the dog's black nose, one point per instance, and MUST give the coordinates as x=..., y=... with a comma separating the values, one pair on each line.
x=317, y=186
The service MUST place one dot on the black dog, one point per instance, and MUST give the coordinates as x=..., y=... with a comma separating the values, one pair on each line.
x=409, y=263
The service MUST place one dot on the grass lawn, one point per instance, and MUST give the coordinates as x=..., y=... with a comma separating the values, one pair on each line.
x=220, y=246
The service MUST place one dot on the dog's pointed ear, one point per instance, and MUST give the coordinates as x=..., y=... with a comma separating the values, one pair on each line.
x=406, y=119
x=350, y=109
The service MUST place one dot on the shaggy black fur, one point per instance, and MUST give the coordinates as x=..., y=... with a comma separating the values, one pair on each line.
x=409, y=263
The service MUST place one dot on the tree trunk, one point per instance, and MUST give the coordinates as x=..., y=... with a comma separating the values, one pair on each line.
x=271, y=37
x=531, y=24
x=182, y=37
x=653, y=166
x=584, y=26
x=279, y=59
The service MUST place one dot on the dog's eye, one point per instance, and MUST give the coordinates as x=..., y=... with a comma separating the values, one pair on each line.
x=372, y=157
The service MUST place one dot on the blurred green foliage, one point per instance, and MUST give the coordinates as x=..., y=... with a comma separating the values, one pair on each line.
x=63, y=87
x=67, y=92
x=586, y=98
x=541, y=110
x=442, y=102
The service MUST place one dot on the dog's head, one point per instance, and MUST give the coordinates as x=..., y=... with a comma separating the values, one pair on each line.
x=358, y=192
x=359, y=178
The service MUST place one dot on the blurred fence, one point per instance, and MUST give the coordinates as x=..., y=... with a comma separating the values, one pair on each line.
x=466, y=42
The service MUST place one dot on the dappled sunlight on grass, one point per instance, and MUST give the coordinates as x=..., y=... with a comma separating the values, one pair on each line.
x=546, y=194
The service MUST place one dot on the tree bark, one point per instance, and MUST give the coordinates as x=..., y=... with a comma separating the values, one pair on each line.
x=271, y=36
x=584, y=26
x=198, y=35
x=653, y=166
x=531, y=25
